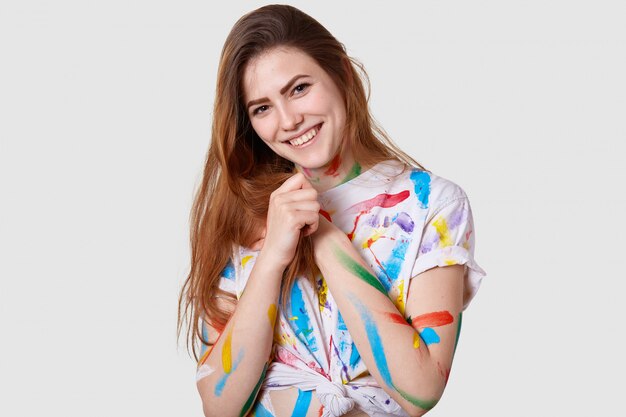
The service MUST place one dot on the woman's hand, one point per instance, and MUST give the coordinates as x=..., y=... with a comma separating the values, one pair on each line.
x=293, y=209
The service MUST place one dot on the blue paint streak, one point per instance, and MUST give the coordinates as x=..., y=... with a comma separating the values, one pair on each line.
x=394, y=263
x=219, y=387
x=341, y=325
x=374, y=338
x=260, y=411
x=302, y=403
x=229, y=271
x=302, y=324
x=429, y=336
x=421, y=181
x=355, y=356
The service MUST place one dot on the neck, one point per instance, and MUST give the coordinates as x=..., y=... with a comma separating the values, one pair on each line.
x=336, y=172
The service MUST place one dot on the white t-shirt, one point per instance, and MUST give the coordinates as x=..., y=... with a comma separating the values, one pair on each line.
x=403, y=221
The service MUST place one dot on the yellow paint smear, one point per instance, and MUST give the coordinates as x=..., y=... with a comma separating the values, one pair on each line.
x=368, y=243
x=449, y=261
x=400, y=299
x=227, y=359
x=444, y=234
x=416, y=340
x=323, y=294
x=245, y=260
x=271, y=314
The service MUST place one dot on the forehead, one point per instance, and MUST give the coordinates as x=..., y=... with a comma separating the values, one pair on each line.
x=270, y=71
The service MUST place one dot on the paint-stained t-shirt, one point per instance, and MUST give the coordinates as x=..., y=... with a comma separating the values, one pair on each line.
x=402, y=221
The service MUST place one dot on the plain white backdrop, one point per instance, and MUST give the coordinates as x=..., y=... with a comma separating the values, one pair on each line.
x=105, y=112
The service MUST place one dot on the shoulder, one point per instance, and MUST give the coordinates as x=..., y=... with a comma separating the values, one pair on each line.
x=431, y=191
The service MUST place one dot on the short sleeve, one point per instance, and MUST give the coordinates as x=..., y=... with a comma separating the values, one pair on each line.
x=448, y=239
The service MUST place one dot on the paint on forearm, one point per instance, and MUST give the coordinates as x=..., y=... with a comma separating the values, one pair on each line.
x=203, y=371
x=253, y=394
x=271, y=314
x=219, y=387
x=302, y=403
x=227, y=362
x=378, y=352
x=434, y=319
x=357, y=269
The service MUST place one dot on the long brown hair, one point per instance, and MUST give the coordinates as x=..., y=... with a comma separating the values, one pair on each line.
x=241, y=172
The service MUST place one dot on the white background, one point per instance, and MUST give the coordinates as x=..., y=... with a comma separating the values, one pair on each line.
x=105, y=111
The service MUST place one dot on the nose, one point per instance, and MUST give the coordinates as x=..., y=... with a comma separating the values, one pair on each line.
x=290, y=118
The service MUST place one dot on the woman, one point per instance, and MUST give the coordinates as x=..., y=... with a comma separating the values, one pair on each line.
x=329, y=270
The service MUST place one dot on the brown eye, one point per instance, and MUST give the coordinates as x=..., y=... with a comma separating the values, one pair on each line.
x=259, y=109
x=301, y=87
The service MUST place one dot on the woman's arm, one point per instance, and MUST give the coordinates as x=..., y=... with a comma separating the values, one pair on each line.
x=236, y=364
x=409, y=366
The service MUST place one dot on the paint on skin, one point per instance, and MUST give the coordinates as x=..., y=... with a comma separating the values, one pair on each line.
x=434, y=319
x=334, y=166
x=219, y=387
x=326, y=215
x=227, y=360
x=400, y=299
x=374, y=338
x=416, y=340
x=302, y=403
x=379, y=355
x=205, y=336
x=396, y=318
x=421, y=182
x=302, y=323
x=354, y=172
x=271, y=314
x=260, y=411
x=429, y=336
x=357, y=269
x=253, y=394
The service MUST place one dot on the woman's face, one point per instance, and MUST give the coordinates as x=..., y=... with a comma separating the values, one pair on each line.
x=294, y=106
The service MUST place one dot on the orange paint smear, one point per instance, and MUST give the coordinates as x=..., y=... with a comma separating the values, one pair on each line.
x=396, y=318
x=334, y=166
x=326, y=215
x=435, y=319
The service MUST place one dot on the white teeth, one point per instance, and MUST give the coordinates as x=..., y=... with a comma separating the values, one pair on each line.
x=304, y=138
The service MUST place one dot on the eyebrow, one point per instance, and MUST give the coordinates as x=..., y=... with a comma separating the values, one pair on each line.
x=282, y=91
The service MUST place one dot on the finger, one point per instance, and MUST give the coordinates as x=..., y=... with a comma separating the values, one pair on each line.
x=304, y=205
x=294, y=182
x=309, y=194
x=298, y=219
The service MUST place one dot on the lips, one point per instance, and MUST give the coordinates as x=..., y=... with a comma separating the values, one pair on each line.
x=305, y=137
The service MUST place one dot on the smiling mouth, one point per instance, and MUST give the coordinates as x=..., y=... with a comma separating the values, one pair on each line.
x=306, y=137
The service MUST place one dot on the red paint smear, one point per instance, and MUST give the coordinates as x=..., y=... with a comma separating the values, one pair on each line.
x=396, y=318
x=467, y=235
x=326, y=214
x=321, y=411
x=436, y=319
x=381, y=200
x=334, y=166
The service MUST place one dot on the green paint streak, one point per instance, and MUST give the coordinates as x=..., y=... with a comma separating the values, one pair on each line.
x=253, y=394
x=423, y=404
x=358, y=269
x=354, y=172
x=458, y=332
